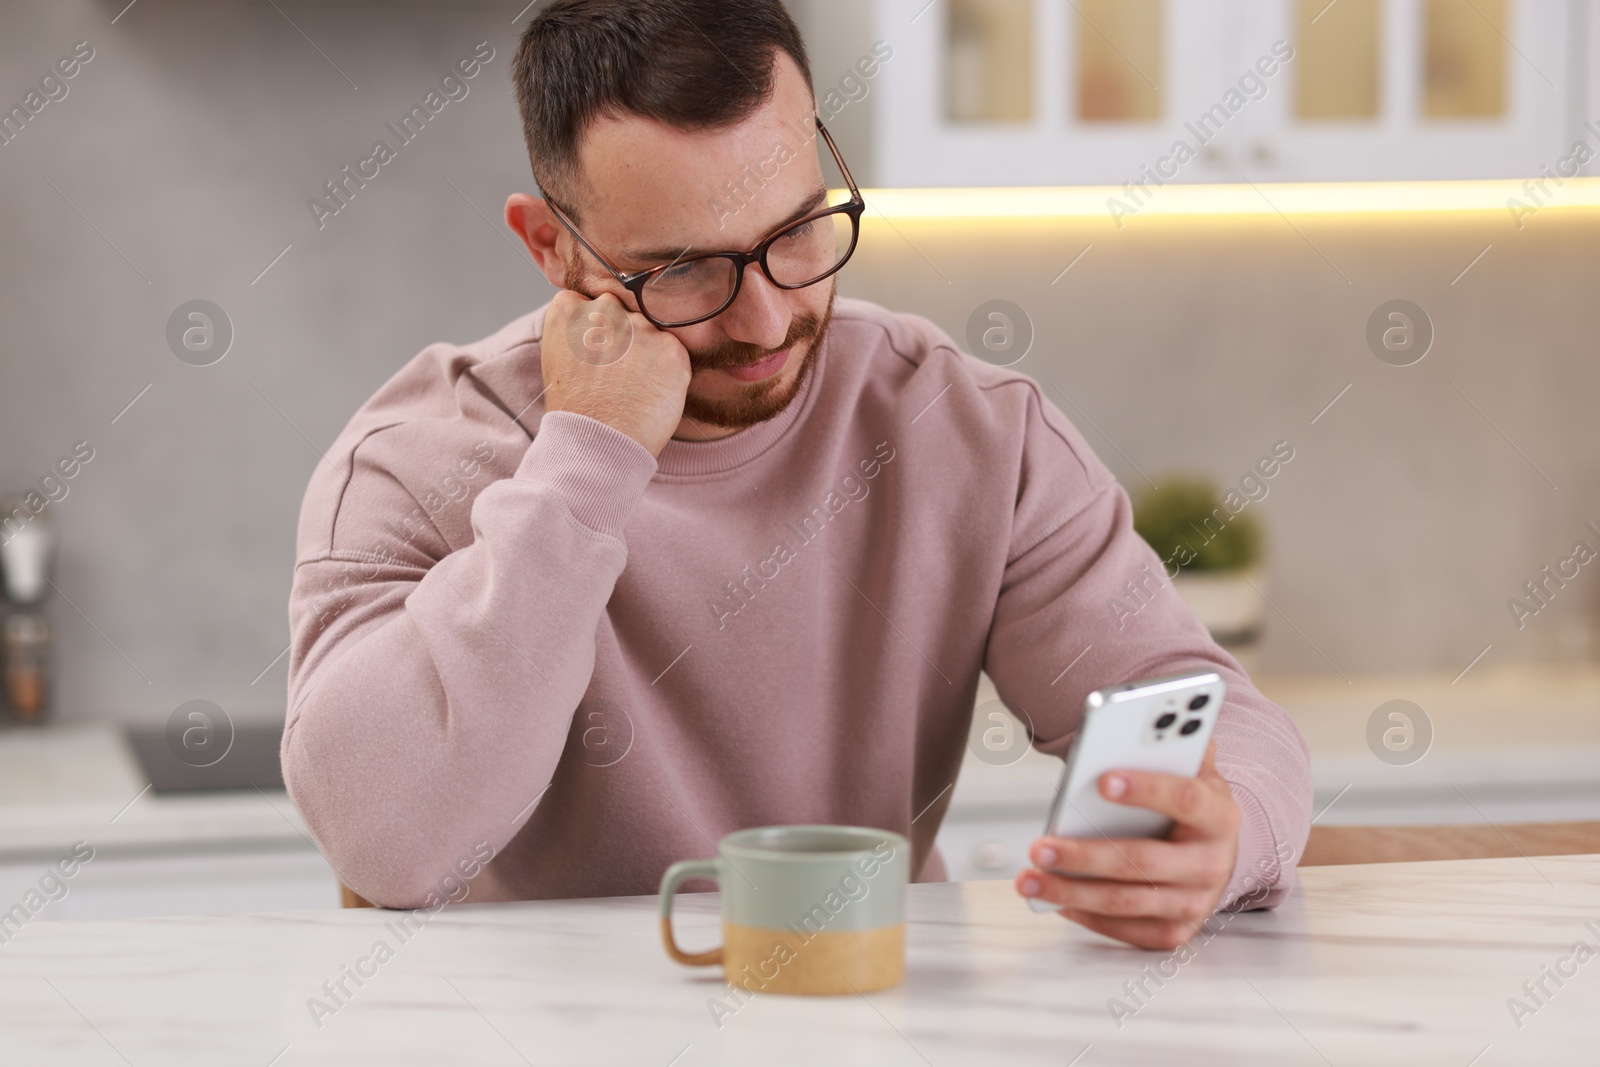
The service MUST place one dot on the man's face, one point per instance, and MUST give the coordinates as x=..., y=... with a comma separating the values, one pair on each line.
x=648, y=192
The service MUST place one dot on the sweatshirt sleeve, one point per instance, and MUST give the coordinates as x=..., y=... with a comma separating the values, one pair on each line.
x=430, y=698
x=1085, y=603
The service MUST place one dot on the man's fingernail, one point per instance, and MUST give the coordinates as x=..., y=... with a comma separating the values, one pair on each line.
x=1116, y=785
x=1048, y=856
x=1031, y=887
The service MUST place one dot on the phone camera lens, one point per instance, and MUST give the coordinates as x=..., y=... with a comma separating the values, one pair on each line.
x=1199, y=702
x=1166, y=720
x=1189, y=727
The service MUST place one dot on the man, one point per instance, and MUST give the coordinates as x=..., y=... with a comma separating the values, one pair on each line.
x=697, y=547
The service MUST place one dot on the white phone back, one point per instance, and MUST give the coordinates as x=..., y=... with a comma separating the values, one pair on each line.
x=1119, y=732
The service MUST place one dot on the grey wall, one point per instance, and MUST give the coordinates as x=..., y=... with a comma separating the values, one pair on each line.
x=1408, y=517
x=192, y=140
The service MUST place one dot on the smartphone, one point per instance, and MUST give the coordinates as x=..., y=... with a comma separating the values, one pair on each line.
x=1161, y=725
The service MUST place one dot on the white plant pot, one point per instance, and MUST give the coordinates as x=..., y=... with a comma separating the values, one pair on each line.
x=1231, y=604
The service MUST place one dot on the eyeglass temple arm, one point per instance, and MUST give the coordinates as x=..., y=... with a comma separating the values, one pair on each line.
x=593, y=251
x=837, y=158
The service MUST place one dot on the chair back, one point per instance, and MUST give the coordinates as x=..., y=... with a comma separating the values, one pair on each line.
x=1329, y=845
x=349, y=898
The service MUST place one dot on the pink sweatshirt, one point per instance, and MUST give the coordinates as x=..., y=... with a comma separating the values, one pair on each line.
x=516, y=632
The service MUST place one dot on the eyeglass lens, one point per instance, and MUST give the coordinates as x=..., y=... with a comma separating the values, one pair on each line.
x=799, y=256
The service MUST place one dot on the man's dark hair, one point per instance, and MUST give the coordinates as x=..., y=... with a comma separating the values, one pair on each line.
x=692, y=64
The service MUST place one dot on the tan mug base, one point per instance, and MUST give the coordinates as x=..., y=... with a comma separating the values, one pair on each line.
x=828, y=962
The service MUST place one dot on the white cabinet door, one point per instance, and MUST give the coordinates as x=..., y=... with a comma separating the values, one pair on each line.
x=916, y=144
x=1541, y=78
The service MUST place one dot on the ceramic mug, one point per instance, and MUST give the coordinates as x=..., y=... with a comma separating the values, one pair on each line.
x=805, y=909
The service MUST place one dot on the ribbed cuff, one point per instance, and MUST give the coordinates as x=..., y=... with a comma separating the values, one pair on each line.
x=1256, y=867
x=598, y=470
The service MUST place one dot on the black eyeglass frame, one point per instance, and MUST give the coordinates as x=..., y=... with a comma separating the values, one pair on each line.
x=636, y=281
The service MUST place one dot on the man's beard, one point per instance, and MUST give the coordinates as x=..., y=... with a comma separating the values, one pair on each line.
x=762, y=400
x=759, y=401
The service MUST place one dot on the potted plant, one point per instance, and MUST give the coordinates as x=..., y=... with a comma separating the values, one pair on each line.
x=1214, y=553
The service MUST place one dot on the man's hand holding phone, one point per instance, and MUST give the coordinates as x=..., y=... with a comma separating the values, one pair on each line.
x=1152, y=893
x=601, y=360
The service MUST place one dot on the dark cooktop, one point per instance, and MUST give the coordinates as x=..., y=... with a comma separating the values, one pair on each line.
x=250, y=762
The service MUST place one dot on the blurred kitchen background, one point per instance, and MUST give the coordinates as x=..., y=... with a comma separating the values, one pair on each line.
x=185, y=332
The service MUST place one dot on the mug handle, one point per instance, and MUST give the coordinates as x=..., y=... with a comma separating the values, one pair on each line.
x=675, y=876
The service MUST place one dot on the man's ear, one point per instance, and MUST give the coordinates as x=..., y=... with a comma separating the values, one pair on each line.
x=531, y=219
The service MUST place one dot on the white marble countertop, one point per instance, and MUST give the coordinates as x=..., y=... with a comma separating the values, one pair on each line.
x=72, y=782
x=1399, y=963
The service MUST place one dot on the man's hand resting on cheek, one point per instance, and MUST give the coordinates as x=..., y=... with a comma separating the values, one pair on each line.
x=601, y=360
x=1150, y=893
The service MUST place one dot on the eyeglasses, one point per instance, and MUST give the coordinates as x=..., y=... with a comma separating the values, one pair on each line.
x=694, y=288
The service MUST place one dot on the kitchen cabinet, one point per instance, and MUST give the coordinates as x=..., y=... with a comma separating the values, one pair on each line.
x=170, y=882
x=74, y=791
x=1101, y=92
x=249, y=851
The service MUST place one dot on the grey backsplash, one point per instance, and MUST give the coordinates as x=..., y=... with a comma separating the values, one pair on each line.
x=179, y=166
